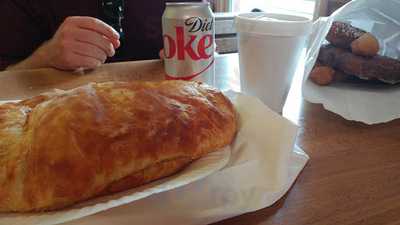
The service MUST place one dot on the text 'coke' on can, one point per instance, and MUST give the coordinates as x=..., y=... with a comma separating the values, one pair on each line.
x=188, y=34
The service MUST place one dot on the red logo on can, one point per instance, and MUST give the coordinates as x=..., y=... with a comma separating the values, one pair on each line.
x=197, y=43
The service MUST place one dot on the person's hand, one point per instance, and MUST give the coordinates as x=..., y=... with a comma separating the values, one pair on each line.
x=80, y=42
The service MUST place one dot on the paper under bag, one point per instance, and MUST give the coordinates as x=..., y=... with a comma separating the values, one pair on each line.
x=370, y=104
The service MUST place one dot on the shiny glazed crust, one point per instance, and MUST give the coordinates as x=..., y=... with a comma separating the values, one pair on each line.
x=64, y=147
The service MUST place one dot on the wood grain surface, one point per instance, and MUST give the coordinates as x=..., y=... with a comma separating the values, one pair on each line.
x=26, y=83
x=352, y=178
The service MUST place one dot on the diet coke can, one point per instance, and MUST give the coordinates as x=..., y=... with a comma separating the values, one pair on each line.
x=188, y=34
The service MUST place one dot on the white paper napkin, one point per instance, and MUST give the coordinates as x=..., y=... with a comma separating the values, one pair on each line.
x=263, y=166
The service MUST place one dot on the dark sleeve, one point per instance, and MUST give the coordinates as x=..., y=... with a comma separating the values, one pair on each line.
x=21, y=32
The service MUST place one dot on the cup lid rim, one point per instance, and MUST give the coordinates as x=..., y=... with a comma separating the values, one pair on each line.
x=277, y=17
x=273, y=24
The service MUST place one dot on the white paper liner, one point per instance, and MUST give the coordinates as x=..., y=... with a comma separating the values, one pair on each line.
x=366, y=103
x=262, y=167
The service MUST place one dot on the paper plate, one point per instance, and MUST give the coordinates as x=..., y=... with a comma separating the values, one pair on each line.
x=199, y=169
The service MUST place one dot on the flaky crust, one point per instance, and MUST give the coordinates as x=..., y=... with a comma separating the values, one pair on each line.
x=64, y=147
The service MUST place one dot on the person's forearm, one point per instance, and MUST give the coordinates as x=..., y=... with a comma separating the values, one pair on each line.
x=35, y=61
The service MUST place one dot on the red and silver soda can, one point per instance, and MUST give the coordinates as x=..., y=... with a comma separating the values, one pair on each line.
x=188, y=33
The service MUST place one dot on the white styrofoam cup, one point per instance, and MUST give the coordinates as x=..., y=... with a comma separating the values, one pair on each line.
x=270, y=46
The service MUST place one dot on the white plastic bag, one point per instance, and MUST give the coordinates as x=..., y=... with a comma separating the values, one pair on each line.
x=367, y=103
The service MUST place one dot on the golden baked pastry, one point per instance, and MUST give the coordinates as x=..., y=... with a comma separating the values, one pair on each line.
x=64, y=147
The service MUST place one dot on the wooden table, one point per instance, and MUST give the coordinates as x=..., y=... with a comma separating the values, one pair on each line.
x=353, y=176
